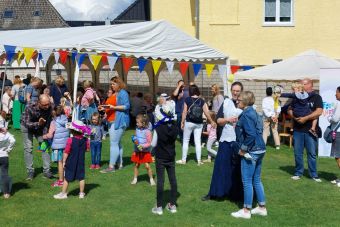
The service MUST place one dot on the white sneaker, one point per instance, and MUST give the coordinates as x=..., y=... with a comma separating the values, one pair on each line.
x=81, y=195
x=241, y=214
x=335, y=181
x=134, y=181
x=316, y=179
x=260, y=211
x=60, y=196
x=171, y=208
x=295, y=177
x=152, y=182
x=199, y=163
x=277, y=147
x=157, y=210
x=181, y=162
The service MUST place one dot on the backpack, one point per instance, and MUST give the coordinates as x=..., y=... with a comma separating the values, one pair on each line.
x=195, y=112
x=22, y=94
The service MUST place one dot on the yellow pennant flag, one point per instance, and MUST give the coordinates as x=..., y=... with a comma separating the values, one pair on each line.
x=209, y=68
x=95, y=59
x=155, y=65
x=231, y=78
x=19, y=57
x=28, y=54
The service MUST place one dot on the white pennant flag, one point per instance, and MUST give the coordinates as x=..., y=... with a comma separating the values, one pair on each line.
x=170, y=66
x=45, y=55
x=222, y=69
x=112, y=61
x=56, y=57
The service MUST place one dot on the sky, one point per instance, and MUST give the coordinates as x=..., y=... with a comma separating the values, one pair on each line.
x=90, y=9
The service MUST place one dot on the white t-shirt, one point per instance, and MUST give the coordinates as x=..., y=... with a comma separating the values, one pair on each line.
x=229, y=110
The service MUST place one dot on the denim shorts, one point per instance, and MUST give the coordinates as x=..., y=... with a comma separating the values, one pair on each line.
x=57, y=155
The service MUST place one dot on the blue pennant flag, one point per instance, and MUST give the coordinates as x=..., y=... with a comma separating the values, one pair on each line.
x=197, y=68
x=39, y=56
x=74, y=55
x=80, y=59
x=10, y=52
x=247, y=67
x=141, y=64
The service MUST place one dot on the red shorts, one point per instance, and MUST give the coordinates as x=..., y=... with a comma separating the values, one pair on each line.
x=141, y=157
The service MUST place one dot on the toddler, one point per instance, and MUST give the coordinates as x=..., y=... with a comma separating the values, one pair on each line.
x=142, y=140
x=97, y=133
x=212, y=138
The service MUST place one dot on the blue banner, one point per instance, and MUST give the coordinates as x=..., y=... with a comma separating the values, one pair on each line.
x=197, y=68
x=141, y=64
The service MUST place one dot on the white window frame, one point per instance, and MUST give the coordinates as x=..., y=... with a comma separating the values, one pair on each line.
x=277, y=22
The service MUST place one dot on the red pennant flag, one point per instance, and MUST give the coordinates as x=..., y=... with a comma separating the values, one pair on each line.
x=183, y=67
x=127, y=62
x=63, y=56
x=234, y=68
x=104, y=58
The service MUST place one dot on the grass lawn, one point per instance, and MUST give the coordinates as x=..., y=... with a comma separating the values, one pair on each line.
x=112, y=201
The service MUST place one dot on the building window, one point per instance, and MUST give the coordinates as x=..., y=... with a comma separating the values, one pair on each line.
x=278, y=12
x=8, y=14
x=37, y=13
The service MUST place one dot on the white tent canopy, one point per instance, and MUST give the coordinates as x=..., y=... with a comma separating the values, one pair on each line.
x=154, y=39
x=306, y=64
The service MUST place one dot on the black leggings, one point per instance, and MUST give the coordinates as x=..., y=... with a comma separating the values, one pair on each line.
x=4, y=174
x=170, y=168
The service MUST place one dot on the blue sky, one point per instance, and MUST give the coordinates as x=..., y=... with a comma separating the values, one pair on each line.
x=90, y=9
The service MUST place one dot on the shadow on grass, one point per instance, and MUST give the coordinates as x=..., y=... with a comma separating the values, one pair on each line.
x=288, y=169
x=19, y=186
x=327, y=176
x=126, y=162
x=88, y=188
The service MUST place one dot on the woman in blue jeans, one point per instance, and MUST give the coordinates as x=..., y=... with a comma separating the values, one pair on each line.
x=249, y=130
x=117, y=109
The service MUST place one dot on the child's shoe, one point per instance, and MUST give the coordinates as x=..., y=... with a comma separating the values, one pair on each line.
x=97, y=166
x=134, y=181
x=247, y=156
x=171, y=208
x=81, y=195
x=60, y=195
x=157, y=210
x=6, y=196
x=92, y=166
x=152, y=182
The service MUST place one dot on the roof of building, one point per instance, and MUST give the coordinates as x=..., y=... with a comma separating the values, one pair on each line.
x=136, y=12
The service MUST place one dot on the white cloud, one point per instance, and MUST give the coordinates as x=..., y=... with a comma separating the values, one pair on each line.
x=90, y=9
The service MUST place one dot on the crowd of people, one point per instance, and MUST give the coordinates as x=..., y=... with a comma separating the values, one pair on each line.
x=65, y=129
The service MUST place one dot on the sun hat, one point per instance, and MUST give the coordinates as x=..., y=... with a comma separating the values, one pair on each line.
x=79, y=126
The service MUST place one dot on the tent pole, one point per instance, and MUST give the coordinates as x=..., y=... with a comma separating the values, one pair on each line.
x=3, y=84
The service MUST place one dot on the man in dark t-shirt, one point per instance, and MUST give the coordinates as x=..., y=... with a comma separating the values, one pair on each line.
x=302, y=137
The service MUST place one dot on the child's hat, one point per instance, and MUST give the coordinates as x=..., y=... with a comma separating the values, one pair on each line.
x=79, y=126
x=165, y=95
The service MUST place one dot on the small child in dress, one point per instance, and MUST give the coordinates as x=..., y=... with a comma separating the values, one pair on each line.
x=300, y=104
x=66, y=103
x=59, y=134
x=97, y=134
x=164, y=146
x=212, y=137
x=74, y=157
x=142, y=154
x=7, y=142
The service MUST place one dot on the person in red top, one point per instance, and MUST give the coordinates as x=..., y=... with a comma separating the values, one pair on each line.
x=74, y=158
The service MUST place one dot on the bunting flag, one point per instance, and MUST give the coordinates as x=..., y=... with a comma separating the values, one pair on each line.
x=63, y=56
x=74, y=55
x=209, y=68
x=39, y=56
x=95, y=60
x=170, y=66
x=234, y=68
x=112, y=61
x=80, y=59
x=10, y=52
x=247, y=67
x=141, y=64
x=127, y=62
x=104, y=58
x=28, y=54
x=197, y=67
x=56, y=57
x=46, y=53
x=183, y=67
x=156, y=64
x=19, y=58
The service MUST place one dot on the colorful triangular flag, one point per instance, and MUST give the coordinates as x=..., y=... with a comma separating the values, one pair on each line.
x=10, y=52
x=234, y=68
x=222, y=70
x=74, y=55
x=19, y=58
x=63, y=56
x=95, y=60
x=127, y=62
x=183, y=67
x=104, y=58
x=156, y=64
x=141, y=64
x=170, y=66
x=112, y=61
x=56, y=57
x=209, y=68
x=46, y=53
x=80, y=58
x=197, y=67
x=28, y=54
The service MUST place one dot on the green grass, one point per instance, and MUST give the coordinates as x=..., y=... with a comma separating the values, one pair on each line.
x=112, y=201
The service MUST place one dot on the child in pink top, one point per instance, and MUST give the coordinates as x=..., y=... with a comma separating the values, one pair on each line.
x=212, y=137
x=88, y=106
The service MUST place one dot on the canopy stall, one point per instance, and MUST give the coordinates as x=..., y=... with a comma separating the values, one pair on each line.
x=306, y=64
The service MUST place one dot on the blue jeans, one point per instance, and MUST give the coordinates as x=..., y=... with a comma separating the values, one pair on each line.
x=251, y=178
x=116, y=150
x=96, y=152
x=305, y=140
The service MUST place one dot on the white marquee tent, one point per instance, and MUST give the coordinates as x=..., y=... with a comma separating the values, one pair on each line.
x=306, y=64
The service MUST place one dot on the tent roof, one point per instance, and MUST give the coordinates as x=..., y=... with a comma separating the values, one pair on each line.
x=155, y=39
x=306, y=64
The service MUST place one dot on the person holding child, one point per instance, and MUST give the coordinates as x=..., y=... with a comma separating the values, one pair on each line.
x=7, y=142
x=97, y=133
x=58, y=133
x=142, y=143
x=74, y=158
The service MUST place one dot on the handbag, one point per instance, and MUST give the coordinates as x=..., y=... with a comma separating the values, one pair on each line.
x=329, y=132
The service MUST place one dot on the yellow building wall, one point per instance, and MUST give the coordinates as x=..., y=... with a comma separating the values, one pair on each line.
x=236, y=28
